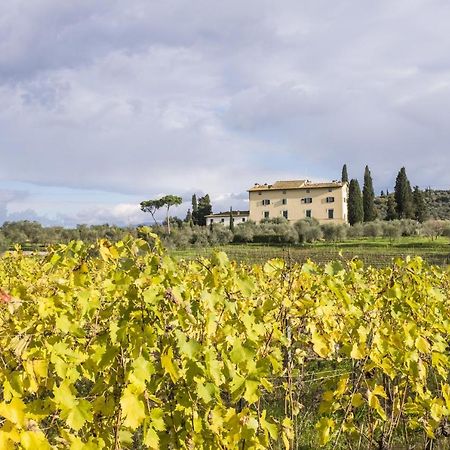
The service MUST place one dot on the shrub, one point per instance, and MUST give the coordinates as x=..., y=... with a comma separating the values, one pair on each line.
x=355, y=230
x=408, y=227
x=220, y=235
x=244, y=232
x=200, y=236
x=179, y=237
x=275, y=231
x=308, y=230
x=446, y=230
x=391, y=230
x=333, y=232
x=372, y=229
x=434, y=228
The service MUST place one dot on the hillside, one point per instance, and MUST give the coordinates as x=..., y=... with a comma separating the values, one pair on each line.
x=438, y=203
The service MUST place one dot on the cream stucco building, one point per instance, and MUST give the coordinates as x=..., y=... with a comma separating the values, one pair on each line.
x=224, y=218
x=299, y=199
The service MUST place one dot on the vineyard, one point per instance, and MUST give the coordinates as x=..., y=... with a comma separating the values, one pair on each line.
x=377, y=257
x=120, y=346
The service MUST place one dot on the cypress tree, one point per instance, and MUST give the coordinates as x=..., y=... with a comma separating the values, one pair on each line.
x=420, y=208
x=368, y=197
x=231, y=220
x=188, y=218
x=391, y=213
x=355, y=203
x=194, y=213
x=403, y=196
x=344, y=177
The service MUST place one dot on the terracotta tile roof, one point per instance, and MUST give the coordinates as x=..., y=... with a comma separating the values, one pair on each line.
x=294, y=184
x=236, y=213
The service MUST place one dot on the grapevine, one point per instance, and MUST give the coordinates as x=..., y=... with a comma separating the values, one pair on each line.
x=115, y=346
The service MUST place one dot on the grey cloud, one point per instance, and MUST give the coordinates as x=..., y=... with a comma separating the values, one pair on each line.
x=149, y=97
x=11, y=195
x=275, y=105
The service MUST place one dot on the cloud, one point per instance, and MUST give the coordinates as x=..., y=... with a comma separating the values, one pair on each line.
x=273, y=106
x=150, y=98
x=123, y=214
x=31, y=215
x=7, y=196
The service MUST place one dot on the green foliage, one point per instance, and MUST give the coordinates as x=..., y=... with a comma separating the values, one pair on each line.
x=308, y=230
x=391, y=211
x=168, y=201
x=204, y=209
x=372, y=229
x=369, y=211
x=275, y=231
x=434, y=228
x=231, y=226
x=334, y=232
x=355, y=203
x=245, y=232
x=114, y=338
x=420, y=207
x=344, y=176
x=438, y=203
x=113, y=345
x=194, y=209
x=151, y=206
x=403, y=196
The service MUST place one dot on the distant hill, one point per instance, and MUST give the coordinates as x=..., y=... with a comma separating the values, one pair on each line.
x=438, y=203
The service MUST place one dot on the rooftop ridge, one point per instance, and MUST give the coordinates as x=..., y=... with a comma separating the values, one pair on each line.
x=295, y=184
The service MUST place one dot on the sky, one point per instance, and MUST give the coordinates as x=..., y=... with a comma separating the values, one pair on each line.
x=108, y=103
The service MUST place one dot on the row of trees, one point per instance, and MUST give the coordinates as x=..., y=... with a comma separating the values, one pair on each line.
x=200, y=209
x=32, y=235
x=197, y=216
x=404, y=203
x=280, y=231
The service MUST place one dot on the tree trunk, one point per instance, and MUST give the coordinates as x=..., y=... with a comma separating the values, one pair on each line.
x=168, y=221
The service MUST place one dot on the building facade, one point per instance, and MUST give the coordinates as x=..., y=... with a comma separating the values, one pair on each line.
x=299, y=199
x=224, y=218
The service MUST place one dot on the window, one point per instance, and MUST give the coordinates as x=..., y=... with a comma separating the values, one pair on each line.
x=266, y=214
x=331, y=213
x=308, y=191
x=330, y=190
x=284, y=192
x=266, y=202
x=307, y=200
x=259, y=193
x=284, y=201
x=308, y=213
x=222, y=220
x=330, y=199
x=211, y=220
x=285, y=214
x=243, y=219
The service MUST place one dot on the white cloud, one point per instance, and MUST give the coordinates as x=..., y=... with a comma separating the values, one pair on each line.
x=178, y=97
